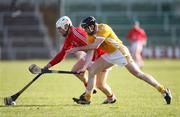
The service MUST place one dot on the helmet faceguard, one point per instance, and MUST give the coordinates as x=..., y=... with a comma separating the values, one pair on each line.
x=64, y=35
x=87, y=23
x=62, y=22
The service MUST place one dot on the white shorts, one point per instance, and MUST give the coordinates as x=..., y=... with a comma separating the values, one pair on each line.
x=116, y=58
x=137, y=45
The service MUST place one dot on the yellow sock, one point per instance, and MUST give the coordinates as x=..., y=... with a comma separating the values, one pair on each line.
x=88, y=96
x=161, y=88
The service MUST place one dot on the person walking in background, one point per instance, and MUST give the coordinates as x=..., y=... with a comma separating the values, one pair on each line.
x=137, y=38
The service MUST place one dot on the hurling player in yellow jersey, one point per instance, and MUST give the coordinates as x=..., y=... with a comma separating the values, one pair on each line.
x=102, y=36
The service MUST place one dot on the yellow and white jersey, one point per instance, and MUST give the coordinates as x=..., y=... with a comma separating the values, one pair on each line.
x=111, y=41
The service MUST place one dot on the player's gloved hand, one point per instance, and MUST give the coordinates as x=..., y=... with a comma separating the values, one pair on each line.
x=44, y=69
x=47, y=67
x=81, y=71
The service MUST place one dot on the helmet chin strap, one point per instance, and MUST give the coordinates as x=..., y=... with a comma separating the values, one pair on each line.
x=90, y=29
x=65, y=35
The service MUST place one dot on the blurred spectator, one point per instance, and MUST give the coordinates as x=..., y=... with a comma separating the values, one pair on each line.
x=137, y=38
x=15, y=10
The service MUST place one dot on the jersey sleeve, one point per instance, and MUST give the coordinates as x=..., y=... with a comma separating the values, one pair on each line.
x=144, y=35
x=61, y=55
x=129, y=35
x=104, y=31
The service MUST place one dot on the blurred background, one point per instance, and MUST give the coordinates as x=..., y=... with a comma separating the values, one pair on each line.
x=27, y=27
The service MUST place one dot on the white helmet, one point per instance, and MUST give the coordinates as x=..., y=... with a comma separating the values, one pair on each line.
x=63, y=21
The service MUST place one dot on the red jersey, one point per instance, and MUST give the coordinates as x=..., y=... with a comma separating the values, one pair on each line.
x=136, y=34
x=76, y=38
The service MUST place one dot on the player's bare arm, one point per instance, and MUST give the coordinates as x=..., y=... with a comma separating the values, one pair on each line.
x=98, y=41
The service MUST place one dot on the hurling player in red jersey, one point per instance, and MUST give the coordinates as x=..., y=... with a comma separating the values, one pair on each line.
x=76, y=37
x=137, y=38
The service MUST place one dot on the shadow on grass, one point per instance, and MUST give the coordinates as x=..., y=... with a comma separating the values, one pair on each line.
x=38, y=105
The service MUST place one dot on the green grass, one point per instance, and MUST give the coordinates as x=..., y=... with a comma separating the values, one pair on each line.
x=51, y=95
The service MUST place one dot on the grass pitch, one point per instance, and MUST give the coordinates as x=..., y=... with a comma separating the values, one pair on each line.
x=51, y=95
